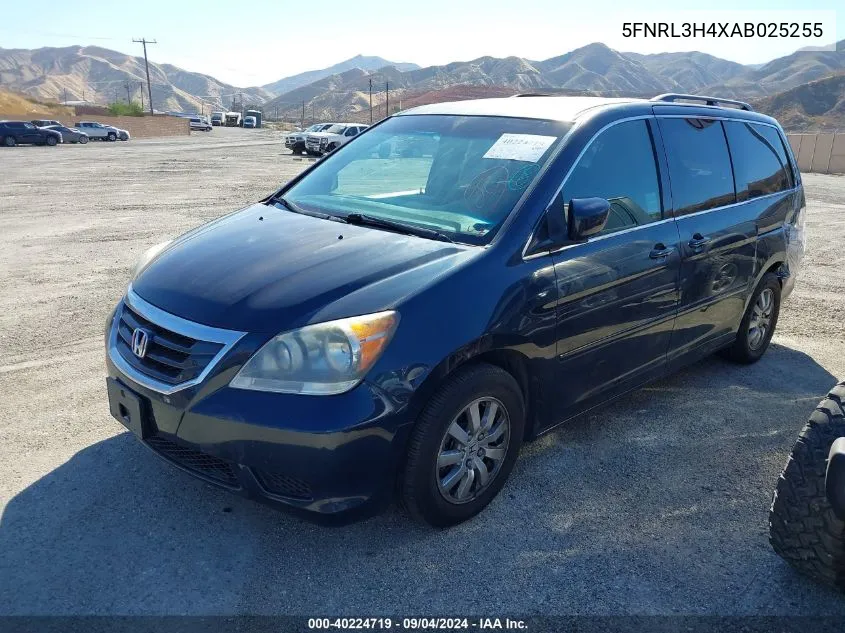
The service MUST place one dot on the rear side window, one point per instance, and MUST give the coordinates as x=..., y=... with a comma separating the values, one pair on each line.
x=699, y=164
x=759, y=160
x=619, y=166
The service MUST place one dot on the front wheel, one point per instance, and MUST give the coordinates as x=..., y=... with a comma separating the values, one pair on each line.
x=463, y=446
x=758, y=323
x=51, y=141
x=83, y=139
x=112, y=136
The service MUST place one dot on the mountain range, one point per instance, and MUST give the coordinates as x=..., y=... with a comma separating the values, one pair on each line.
x=342, y=90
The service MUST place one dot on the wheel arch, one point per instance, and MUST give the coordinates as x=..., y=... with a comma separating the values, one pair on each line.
x=514, y=362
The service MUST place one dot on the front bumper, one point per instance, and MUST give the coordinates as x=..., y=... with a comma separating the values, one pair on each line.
x=332, y=459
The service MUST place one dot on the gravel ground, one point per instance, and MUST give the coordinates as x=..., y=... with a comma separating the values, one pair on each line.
x=654, y=505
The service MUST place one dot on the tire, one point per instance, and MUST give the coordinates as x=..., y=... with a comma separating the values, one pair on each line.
x=803, y=528
x=745, y=348
x=112, y=137
x=297, y=152
x=420, y=480
x=9, y=141
x=332, y=147
x=83, y=140
x=51, y=141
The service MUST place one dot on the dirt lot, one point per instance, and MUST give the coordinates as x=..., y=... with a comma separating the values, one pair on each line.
x=655, y=505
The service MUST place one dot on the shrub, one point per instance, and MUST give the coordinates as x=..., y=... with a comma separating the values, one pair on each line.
x=126, y=109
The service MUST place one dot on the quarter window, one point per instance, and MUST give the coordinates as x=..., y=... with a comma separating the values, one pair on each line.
x=619, y=166
x=759, y=159
x=699, y=164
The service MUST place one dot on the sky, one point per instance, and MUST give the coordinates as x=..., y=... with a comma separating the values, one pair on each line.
x=259, y=41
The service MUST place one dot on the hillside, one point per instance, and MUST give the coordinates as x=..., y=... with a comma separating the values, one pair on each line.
x=815, y=106
x=100, y=75
x=691, y=70
x=286, y=84
x=17, y=105
x=784, y=73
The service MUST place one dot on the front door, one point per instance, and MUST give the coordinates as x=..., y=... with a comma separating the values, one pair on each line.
x=618, y=292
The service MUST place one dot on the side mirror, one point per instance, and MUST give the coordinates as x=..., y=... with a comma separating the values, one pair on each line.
x=587, y=216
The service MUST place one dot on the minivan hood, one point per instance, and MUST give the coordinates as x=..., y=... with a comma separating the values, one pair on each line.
x=265, y=269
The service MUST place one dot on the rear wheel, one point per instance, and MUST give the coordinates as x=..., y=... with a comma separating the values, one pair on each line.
x=9, y=141
x=759, y=322
x=112, y=136
x=51, y=141
x=803, y=528
x=83, y=139
x=463, y=446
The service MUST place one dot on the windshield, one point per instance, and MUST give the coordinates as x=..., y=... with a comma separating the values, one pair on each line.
x=336, y=129
x=460, y=175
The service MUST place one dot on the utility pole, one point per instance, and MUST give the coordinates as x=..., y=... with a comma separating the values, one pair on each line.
x=387, y=99
x=313, y=116
x=141, y=86
x=371, y=100
x=302, y=122
x=128, y=87
x=147, y=67
x=65, y=95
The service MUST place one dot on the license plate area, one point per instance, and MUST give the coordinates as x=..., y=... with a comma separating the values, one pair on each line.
x=128, y=408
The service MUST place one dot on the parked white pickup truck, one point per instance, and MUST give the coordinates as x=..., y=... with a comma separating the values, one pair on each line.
x=98, y=130
x=318, y=143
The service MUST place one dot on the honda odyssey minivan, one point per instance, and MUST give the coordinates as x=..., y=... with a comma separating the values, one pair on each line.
x=395, y=325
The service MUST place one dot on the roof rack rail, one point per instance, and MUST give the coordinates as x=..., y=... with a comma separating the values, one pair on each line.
x=532, y=94
x=671, y=97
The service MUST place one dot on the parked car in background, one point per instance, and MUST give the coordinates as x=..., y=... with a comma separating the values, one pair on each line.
x=249, y=121
x=232, y=119
x=25, y=133
x=44, y=122
x=122, y=135
x=330, y=139
x=98, y=131
x=200, y=123
x=217, y=118
x=295, y=141
x=69, y=134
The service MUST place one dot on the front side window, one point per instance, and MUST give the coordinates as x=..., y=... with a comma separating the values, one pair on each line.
x=460, y=175
x=759, y=160
x=29, y=126
x=619, y=166
x=699, y=164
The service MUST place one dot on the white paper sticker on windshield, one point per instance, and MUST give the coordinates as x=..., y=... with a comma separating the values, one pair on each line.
x=524, y=147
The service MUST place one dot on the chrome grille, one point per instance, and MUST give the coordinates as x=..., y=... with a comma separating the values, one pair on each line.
x=170, y=358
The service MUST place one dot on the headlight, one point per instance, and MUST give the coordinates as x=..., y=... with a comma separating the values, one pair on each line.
x=147, y=256
x=322, y=359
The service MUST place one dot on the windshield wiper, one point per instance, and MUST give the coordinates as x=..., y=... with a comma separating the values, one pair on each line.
x=292, y=206
x=399, y=227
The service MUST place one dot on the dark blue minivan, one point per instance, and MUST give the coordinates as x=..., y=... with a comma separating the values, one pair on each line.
x=458, y=279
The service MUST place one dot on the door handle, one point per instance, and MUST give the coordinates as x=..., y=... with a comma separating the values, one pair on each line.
x=698, y=241
x=659, y=251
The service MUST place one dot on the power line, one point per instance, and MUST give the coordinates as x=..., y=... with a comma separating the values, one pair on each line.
x=147, y=67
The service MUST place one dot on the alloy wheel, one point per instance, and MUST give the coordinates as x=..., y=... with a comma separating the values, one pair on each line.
x=473, y=450
x=761, y=318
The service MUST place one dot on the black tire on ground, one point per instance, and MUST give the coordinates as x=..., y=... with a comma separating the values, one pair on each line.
x=83, y=139
x=741, y=351
x=297, y=152
x=418, y=486
x=51, y=141
x=802, y=526
x=9, y=141
x=112, y=136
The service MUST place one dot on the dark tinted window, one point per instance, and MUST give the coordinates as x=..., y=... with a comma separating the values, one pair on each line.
x=699, y=164
x=758, y=167
x=619, y=166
